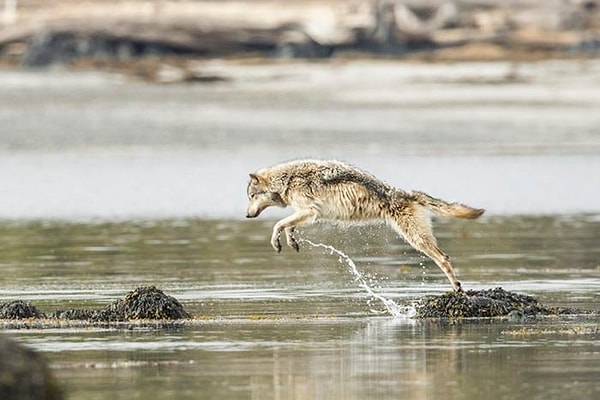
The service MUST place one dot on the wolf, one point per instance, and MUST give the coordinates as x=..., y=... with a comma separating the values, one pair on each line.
x=335, y=191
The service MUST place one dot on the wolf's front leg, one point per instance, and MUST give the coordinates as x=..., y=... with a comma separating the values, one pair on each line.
x=301, y=217
x=275, y=241
x=291, y=240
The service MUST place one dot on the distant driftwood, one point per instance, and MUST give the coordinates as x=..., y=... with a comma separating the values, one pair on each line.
x=41, y=35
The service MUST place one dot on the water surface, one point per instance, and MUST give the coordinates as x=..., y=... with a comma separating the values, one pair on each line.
x=109, y=184
x=270, y=325
x=91, y=145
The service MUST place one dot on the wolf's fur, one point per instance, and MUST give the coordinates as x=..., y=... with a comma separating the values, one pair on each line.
x=332, y=190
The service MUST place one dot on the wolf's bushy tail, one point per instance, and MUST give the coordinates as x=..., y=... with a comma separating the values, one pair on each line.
x=445, y=209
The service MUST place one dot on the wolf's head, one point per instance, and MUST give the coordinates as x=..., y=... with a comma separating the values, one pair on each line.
x=261, y=196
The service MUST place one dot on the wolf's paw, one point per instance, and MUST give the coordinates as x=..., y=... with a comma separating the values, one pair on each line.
x=293, y=244
x=291, y=240
x=276, y=243
x=458, y=289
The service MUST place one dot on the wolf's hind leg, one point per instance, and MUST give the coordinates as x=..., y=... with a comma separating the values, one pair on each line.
x=300, y=217
x=442, y=261
x=416, y=230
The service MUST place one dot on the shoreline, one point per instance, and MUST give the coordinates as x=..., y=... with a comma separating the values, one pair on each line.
x=140, y=38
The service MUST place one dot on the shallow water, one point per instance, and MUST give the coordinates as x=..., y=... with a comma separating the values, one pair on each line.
x=89, y=145
x=109, y=184
x=270, y=325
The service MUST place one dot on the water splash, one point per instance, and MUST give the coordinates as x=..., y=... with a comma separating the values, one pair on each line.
x=394, y=309
x=424, y=274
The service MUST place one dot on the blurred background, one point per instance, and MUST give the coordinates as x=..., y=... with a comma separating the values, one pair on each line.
x=156, y=108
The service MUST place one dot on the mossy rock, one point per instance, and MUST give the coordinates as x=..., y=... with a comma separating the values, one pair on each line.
x=487, y=303
x=141, y=303
x=19, y=309
x=150, y=303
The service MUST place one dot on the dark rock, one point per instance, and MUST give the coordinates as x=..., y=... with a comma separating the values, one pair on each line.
x=80, y=314
x=19, y=310
x=308, y=49
x=24, y=374
x=151, y=303
x=49, y=48
x=485, y=304
x=141, y=303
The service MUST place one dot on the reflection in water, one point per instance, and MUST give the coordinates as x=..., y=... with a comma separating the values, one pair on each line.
x=331, y=358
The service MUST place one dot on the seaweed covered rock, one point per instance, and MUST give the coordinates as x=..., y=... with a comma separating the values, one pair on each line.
x=141, y=303
x=19, y=310
x=74, y=313
x=484, y=304
x=151, y=303
x=24, y=374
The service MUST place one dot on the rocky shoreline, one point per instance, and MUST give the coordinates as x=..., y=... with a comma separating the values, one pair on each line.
x=116, y=35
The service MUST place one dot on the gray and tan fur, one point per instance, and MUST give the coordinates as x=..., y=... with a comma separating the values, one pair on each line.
x=332, y=190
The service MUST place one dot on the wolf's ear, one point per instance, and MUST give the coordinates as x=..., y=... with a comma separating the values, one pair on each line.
x=254, y=178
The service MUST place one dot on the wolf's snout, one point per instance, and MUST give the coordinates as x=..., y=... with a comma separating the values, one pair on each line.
x=250, y=213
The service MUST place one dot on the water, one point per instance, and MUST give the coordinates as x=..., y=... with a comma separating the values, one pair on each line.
x=122, y=186
x=109, y=184
x=96, y=146
x=270, y=325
